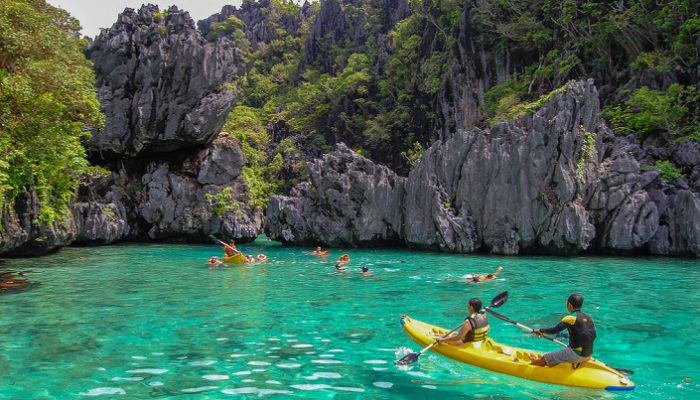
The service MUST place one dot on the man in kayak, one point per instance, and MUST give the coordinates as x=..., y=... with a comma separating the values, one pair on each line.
x=230, y=249
x=481, y=278
x=474, y=328
x=581, y=336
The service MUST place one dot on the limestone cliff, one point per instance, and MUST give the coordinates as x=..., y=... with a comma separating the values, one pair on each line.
x=161, y=85
x=555, y=181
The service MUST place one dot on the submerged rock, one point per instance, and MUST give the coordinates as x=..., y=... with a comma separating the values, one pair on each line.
x=204, y=194
x=182, y=199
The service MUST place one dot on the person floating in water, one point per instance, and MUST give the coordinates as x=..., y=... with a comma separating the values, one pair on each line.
x=214, y=261
x=231, y=249
x=249, y=259
x=320, y=252
x=261, y=258
x=481, y=278
x=344, y=258
x=581, y=336
x=365, y=271
x=339, y=267
x=474, y=328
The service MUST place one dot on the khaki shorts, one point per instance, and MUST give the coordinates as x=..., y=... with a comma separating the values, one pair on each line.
x=565, y=355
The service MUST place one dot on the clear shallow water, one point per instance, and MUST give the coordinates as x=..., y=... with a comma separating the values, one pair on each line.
x=152, y=321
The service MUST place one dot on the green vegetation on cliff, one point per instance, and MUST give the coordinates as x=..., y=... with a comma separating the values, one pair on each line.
x=365, y=74
x=47, y=99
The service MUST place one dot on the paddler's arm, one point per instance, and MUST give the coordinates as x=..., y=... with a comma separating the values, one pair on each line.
x=565, y=322
x=459, y=337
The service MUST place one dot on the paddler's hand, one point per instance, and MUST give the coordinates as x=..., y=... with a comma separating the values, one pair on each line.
x=538, y=333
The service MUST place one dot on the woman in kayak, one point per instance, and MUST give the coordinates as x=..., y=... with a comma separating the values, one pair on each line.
x=230, y=249
x=581, y=336
x=481, y=278
x=474, y=328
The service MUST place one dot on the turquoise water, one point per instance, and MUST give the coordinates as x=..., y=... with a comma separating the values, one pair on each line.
x=153, y=321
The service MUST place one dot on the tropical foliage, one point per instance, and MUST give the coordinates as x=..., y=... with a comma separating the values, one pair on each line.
x=47, y=100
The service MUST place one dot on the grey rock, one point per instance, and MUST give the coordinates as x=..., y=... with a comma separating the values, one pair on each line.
x=100, y=214
x=204, y=195
x=161, y=85
x=24, y=233
x=256, y=17
x=555, y=181
x=348, y=201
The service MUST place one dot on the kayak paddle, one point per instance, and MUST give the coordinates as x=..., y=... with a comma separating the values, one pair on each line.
x=530, y=330
x=413, y=357
x=232, y=248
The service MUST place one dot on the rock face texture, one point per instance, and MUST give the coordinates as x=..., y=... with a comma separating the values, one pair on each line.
x=255, y=16
x=349, y=201
x=170, y=175
x=202, y=194
x=161, y=85
x=555, y=181
x=23, y=233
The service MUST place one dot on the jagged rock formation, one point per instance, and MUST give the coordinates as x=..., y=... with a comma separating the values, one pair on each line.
x=162, y=88
x=23, y=233
x=350, y=200
x=161, y=85
x=256, y=17
x=204, y=193
x=342, y=23
x=555, y=181
x=185, y=198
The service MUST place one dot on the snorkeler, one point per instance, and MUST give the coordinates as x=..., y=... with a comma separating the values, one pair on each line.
x=482, y=278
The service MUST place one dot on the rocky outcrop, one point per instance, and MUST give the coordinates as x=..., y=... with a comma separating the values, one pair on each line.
x=100, y=211
x=555, y=181
x=186, y=198
x=203, y=194
x=24, y=233
x=517, y=187
x=161, y=85
x=349, y=201
x=164, y=91
x=256, y=17
x=344, y=24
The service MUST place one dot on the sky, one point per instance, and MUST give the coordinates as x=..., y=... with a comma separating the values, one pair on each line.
x=96, y=14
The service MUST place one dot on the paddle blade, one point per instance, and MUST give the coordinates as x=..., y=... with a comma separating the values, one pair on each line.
x=407, y=359
x=624, y=371
x=499, y=300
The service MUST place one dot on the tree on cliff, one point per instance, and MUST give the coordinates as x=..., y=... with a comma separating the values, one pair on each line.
x=47, y=100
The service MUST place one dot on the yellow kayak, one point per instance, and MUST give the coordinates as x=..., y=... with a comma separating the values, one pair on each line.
x=237, y=258
x=514, y=361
